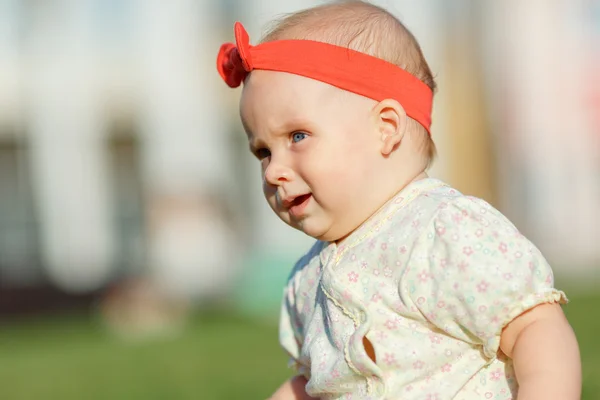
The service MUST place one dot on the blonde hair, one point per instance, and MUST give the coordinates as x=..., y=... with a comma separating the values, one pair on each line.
x=363, y=27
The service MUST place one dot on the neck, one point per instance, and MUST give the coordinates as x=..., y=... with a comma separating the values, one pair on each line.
x=404, y=184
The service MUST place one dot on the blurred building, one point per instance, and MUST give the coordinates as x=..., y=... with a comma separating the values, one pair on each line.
x=121, y=154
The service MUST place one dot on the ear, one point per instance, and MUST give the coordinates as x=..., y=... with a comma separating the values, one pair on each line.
x=391, y=122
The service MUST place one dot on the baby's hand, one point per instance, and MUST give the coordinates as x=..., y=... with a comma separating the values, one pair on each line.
x=545, y=354
x=293, y=389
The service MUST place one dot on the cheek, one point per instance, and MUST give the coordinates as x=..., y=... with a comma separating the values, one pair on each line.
x=269, y=193
x=352, y=158
x=337, y=178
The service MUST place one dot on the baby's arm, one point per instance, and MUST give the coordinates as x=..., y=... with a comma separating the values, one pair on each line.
x=292, y=389
x=545, y=354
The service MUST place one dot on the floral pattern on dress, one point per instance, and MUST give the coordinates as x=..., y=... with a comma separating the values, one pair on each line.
x=430, y=281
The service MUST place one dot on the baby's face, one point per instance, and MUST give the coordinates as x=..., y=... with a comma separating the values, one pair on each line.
x=318, y=151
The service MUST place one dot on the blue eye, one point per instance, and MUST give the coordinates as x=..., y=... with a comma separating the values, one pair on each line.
x=298, y=136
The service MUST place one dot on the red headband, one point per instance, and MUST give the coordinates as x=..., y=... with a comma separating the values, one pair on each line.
x=346, y=69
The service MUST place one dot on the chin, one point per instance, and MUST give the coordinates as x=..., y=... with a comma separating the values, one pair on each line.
x=313, y=229
x=323, y=234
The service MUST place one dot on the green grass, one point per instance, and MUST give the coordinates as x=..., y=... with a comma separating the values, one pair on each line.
x=584, y=315
x=218, y=356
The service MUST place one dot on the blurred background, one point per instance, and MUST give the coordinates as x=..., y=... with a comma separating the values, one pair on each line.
x=138, y=258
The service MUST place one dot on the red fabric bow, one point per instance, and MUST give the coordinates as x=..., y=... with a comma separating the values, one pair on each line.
x=233, y=61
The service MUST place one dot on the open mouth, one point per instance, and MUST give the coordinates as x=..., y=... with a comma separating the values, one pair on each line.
x=297, y=206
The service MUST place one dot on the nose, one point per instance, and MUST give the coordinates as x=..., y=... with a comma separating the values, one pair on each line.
x=277, y=173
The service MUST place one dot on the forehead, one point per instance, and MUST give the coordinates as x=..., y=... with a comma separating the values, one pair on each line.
x=272, y=98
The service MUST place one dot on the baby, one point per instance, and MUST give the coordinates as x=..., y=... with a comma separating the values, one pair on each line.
x=412, y=290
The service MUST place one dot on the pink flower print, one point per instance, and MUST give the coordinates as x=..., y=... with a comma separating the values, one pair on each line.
x=363, y=265
x=432, y=396
x=381, y=335
x=348, y=396
x=482, y=286
x=335, y=373
x=423, y=276
x=443, y=263
x=409, y=388
x=403, y=249
x=418, y=364
x=457, y=218
x=435, y=339
x=390, y=359
x=353, y=277
x=387, y=272
x=503, y=248
x=441, y=230
x=508, y=276
x=467, y=250
x=416, y=223
x=376, y=297
x=446, y=367
x=384, y=246
x=463, y=266
x=479, y=233
x=496, y=375
x=482, y=309
x=441, y=304
x=353, y=257
x=391, y=324
x=375, y=272
x=518, y=254
x=346, y=295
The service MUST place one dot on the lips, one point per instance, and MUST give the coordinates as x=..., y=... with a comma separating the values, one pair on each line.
x=297, y=204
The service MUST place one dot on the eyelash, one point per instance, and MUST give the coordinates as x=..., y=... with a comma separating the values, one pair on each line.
x=263, y=152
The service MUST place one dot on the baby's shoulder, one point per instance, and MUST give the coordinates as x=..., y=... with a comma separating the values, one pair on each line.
x=449, y=207
x=443, y=214
x=431, y=205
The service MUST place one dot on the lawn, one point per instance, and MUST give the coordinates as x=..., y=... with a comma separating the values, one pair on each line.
x=218, y=356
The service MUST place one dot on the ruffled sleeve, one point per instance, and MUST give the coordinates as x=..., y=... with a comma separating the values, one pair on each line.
x=472, y=272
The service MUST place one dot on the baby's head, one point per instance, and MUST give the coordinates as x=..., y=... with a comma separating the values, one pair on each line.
x=331, y=158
